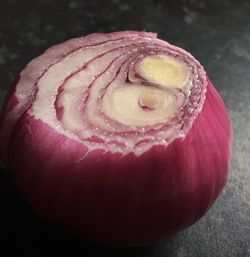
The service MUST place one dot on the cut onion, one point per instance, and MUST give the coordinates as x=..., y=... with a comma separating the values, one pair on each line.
x=120, y=138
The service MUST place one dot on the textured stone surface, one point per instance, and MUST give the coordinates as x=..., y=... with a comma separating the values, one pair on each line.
x=216, y=33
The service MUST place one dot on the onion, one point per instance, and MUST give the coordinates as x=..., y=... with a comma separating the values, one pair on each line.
x=120, y=138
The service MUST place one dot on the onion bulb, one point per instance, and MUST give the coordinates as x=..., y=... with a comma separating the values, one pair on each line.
x=119, y=138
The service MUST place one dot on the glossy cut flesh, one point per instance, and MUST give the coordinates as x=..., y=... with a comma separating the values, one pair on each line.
x=28, y=88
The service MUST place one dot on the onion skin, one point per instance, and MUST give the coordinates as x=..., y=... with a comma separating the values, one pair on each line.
x=115, y=199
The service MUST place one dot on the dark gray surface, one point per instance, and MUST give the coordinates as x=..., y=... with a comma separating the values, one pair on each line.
x=218, y=34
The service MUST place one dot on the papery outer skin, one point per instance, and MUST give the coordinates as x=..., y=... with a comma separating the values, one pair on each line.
x=123, y=200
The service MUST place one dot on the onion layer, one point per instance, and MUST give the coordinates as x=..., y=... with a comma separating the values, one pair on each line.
x=120, y=138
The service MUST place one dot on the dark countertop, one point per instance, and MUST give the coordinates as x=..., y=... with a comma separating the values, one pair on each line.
x=216, y=32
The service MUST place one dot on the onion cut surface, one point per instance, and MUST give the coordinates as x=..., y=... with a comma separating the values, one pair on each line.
x=120, y=138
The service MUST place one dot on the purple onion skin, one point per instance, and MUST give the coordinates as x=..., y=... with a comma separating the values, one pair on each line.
x=123, y=200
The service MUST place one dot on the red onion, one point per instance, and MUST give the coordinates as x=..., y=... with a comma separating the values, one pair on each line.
x=120, y=138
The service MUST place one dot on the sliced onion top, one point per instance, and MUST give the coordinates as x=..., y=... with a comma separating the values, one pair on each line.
x=120, y=92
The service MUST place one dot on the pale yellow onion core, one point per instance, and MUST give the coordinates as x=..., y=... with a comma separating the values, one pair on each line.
x=164, y=70
x=150, y=101
x=125, y=105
